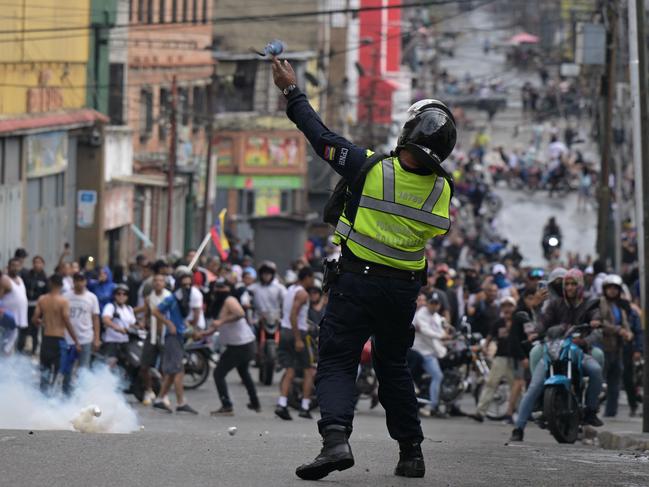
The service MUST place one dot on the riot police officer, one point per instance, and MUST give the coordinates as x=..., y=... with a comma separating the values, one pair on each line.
x=393, y=205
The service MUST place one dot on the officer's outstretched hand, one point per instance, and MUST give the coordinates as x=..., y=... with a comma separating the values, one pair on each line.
x=283, y=74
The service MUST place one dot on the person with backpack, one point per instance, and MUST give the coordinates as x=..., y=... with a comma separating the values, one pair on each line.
x=385, y=211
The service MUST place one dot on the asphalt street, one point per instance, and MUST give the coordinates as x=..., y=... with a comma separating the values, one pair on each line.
x=175, y=449
x=523, y=215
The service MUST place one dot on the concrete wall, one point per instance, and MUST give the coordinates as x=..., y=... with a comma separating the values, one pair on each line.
x=40, y=69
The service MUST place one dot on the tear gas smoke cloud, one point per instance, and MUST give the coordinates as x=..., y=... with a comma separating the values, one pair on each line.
x=97, y=404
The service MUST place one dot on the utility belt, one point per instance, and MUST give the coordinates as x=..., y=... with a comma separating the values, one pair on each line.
x=333, y=269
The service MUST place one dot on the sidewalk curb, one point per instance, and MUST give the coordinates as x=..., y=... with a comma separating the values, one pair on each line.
x=623, y=440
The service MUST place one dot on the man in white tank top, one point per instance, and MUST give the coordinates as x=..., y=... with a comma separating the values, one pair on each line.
x=293, y=351
x=13, y=297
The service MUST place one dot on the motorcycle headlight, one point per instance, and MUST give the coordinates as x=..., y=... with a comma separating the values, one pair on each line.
x=554, y=349
x=554, y=241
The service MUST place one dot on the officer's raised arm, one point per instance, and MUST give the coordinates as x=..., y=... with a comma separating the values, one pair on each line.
x=343, y=156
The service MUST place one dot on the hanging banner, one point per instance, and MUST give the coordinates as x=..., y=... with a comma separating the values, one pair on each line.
x=46, y=154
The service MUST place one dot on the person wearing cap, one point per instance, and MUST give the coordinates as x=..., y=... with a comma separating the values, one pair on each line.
x=431, y=329
x=504, y=366
x=505, y=287
x=117, y=317
x=391, y=207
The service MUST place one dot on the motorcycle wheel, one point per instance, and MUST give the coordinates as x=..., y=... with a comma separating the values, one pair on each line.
x=451, y=387
x=197, y=369
x=267, y=366
x=561, y=415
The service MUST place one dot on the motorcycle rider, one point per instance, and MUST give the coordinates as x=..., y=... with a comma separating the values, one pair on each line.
x=616, y=331
x=551, y=229
x=268, y=293
x=560, y=315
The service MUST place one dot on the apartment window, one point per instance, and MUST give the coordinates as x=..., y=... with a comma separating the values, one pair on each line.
x=199, y=103
x=146, y=113
x=184, y=105
x=149, y=12
x=185, y=10
x=286, y=201
x=174, y=11
x=204, y=14
x=165, y=107
x=194, y=11
x=140, y=10
x=246, y=206
x=238, y=94
x=116, y=93
x=162, y=12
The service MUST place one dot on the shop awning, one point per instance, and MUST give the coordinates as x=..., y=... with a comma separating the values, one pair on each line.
x=40, y=122
x=156, y=180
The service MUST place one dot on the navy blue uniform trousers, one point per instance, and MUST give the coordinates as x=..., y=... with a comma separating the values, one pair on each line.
x=359, y=307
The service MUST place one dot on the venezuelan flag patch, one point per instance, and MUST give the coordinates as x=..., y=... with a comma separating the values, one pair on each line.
x=329, y=152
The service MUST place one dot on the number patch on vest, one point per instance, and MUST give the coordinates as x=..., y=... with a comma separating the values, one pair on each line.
x=413, y=198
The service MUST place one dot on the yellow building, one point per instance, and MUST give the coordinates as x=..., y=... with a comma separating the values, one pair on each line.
x=44, y=49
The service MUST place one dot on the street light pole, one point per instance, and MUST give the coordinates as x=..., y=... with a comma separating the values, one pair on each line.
x=173, y=153
x=640, y=112
x=607, y=133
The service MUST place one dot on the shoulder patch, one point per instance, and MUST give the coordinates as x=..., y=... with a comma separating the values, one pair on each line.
x=329, y=152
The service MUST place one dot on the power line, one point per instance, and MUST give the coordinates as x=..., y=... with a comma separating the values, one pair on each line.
x=252, y=18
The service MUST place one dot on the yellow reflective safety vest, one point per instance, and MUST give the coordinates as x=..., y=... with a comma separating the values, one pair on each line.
x=398, y=212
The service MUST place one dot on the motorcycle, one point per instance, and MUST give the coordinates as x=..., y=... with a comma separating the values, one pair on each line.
x=367, y=384
x=550, y=243
x=268, y=336
x=131, y=362
x=465, y=369
x=196, y=361
x=563, y=400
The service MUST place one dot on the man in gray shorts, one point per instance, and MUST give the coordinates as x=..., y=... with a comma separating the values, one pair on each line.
x=295, y=352
x=173, y=312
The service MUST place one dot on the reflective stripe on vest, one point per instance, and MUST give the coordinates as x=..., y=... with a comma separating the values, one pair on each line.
x=387, y=205
x=376, y=246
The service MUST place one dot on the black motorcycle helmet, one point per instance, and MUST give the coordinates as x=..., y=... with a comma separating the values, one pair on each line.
x=429, y=133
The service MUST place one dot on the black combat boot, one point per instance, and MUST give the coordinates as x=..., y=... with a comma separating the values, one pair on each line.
x=411, y=460
x=336, y=454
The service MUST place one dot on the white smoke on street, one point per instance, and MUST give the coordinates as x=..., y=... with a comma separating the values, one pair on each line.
x=23, y=406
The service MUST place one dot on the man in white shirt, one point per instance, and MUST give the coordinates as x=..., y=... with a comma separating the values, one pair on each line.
x=13, y=297
x=154, y=342
x=293, y=351
x=84, y=316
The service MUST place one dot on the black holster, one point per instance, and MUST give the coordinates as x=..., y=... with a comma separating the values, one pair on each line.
x=330, y=274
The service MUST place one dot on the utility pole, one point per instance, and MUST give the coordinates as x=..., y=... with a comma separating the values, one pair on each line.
x=640, y=106
x=209, y=134
x=608, y=93
x=173, y=153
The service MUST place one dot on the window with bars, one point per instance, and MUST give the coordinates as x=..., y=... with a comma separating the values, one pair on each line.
x=146, y=112
x=165, y=107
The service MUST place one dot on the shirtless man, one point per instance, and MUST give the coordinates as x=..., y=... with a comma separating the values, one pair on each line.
x=53, y=312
